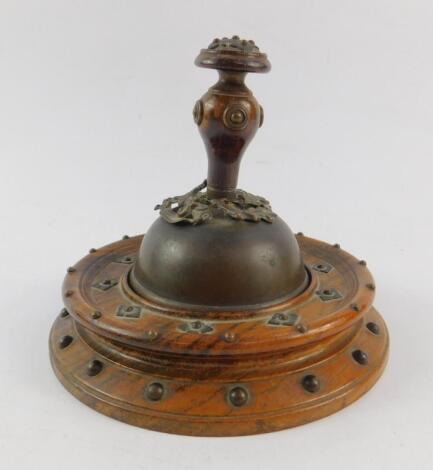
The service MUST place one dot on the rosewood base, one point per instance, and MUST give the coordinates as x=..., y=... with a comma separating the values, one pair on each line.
x=218, y=373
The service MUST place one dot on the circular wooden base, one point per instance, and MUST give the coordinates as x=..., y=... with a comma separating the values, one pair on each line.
x=218, y=373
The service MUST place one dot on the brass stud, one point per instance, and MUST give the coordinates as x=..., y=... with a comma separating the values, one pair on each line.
x=362, y=262
x=337, y=246
x=197, y=112
x=370, y=286
x=68, y=293
x=96, y=314
x=360, y=357
x=310, y=383
x=301, y=328
x=65, y=341
x=196, y=325
x=355, y=307
x=299, y=234
x=64, y=313
x=94, y=367
x=238, y=396
x=262, y=117
x=93, y=250
x=230, y=337
x=154, y=391
x=71, y=269
x=235, y=117
x=322, y=267
x=150, y=335
x=125, y=237
x=328, y=294
x=373, y=327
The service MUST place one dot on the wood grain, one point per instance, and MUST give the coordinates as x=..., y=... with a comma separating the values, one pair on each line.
x=232, y=373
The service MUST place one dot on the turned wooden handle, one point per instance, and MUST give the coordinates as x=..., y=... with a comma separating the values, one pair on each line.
x=228, y=115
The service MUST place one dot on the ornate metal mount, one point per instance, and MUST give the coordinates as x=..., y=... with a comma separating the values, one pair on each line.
x=233, y=54
x=283, y=319
x=196, y=326
x=197, y=207
x=234, y=44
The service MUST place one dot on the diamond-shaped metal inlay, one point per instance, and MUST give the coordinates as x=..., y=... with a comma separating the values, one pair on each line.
x=283, y=319
x=328, y=294
x=127, y=259
x=195, y=326
x=322, y=267
x=128, y=311
x=106, y=284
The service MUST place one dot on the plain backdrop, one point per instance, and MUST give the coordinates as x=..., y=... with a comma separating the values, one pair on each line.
x=96, y=128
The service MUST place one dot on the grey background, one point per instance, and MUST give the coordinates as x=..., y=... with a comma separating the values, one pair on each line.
x=96, y=128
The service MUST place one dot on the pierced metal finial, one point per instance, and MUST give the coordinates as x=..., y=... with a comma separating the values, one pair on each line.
x=235, y=43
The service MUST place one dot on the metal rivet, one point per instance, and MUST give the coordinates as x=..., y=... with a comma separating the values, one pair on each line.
x=370, y=286
x=96, y=314
x=197, y=112
x=328, y=294
x=129, y=309
x=238, y=396
x=322, y=267
x=336, y=245
x=94, y=367
x=373, y=327
x=196, y=325
x=105, y=284
x=354, y=307
x=64, y=313
x=362, y=263
x=154, y=391
x=301, y=328
x=235, y=117
x=93, y=250
x=262, y=117
x=125, y=237
x=360, y=357
x=71, y=269
x=68, y=293
x=299, y=234
x=310, y=383
x=65, y=341
x=229, y=336
x=150, y=335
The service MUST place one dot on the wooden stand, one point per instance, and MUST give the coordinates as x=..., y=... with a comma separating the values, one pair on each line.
x=164, y=363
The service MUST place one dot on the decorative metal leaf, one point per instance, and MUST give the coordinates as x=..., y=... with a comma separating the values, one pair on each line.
x=196, y=207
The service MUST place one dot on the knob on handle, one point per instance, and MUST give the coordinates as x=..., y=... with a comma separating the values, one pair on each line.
x=228, y=115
